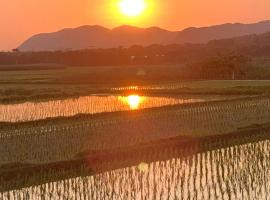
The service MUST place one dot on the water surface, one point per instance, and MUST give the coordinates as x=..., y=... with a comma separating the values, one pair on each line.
x=30, y=111
x=233, y=173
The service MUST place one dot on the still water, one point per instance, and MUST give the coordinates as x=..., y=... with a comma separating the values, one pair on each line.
x=30, y=111
x=234, y=173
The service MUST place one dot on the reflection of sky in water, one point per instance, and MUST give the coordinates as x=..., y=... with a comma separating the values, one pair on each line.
x=236, y=173
x=89, y=104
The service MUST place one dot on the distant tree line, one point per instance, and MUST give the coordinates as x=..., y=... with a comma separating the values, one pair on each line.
x=136, y=55
x=225, y=59
x=155, y=54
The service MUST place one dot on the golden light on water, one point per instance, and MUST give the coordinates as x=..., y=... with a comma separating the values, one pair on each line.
x=132, y=8
x=143, y=167
x=133, y=101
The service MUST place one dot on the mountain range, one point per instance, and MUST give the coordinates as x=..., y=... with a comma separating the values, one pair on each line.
x=93, y=37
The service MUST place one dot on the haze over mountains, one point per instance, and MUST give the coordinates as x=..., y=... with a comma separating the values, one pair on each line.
x=89, y=37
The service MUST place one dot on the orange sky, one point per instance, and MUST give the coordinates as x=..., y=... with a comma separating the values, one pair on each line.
x=23, y=18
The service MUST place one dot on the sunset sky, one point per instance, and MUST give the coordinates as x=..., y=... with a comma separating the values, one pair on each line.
x=22, y=18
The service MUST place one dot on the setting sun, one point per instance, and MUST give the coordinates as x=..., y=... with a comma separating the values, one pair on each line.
x=132, y=8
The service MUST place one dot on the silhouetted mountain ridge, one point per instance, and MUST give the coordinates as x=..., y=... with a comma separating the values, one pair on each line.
x=89, y=37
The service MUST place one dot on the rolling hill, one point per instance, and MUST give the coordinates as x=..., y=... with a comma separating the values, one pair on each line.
x=93, y=37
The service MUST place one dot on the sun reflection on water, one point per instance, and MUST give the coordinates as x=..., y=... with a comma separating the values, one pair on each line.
x=133, y=101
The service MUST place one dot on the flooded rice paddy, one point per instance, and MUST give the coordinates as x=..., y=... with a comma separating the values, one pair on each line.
x=239, y=172
x=30, y=111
